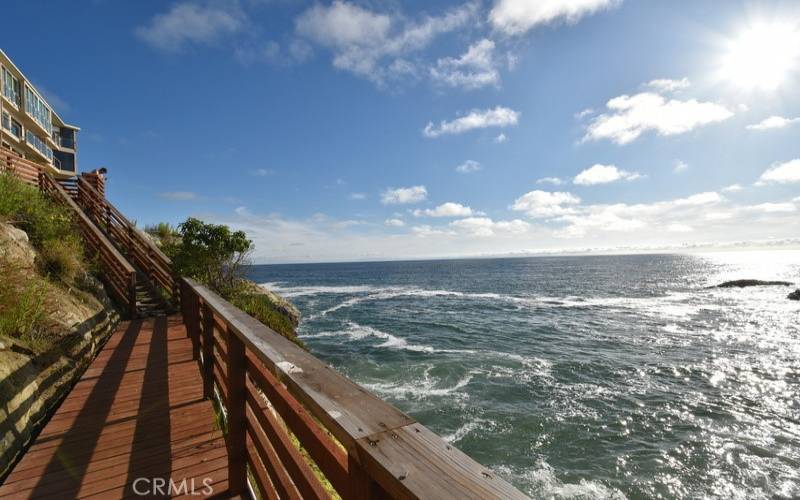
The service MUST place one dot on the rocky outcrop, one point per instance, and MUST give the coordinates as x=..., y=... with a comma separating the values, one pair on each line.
x=281, y=304
x=794, y=295
x=746, y=283
x=15, y=247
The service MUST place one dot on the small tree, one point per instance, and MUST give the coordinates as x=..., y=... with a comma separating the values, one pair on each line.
x=211, y=254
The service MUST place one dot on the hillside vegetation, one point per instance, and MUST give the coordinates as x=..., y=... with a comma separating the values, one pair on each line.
x=54, y=313
x=216, y=256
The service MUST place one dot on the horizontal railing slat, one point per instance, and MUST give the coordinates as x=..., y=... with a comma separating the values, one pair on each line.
x=329, y=457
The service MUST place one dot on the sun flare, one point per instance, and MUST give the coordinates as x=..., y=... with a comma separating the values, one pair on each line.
x=762, y=56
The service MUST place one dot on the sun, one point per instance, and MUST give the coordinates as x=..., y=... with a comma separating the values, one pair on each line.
x=762, y=56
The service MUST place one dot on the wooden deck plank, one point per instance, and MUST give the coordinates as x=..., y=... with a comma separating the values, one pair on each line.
x=137, y=412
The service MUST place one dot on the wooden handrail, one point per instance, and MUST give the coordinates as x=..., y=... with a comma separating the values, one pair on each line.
x=25, y=170
x=272, y=390
x=119, y=275
x=140, y=249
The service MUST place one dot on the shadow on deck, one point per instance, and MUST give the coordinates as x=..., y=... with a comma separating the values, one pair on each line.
x=136, y=423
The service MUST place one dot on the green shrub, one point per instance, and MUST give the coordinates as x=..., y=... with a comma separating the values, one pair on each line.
x=62, y=259
x=261, y=308
x=22, y=305
x=28, y=209
x=164, y=233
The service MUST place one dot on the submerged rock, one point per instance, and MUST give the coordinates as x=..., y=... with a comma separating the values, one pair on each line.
x=794, y=295
x=746, y=283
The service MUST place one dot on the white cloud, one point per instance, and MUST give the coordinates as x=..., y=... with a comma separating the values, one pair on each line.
x=733, y=188
x=475, y=119
x=448, y=209
x=394, y=222
x=581, y=220
x=468, y=167
x=706, y=198
x=583, y=114
x=484, y=226
x=476, y=68
x=400, y=196
x=603, y=174
x=773, y=208
x=263, y=172
x=357, y=196
x=577, y=220
x=189, y=23
x=781, y=173
x=773, y=122
x=631, y=116
x=371, y=44
x=500, y=139
x=179, y=195
x=599, y=227
x=677, y=227
x=680, y=166
x=668, y=85
x=550, y=180
x=515, y=17
x=544, y=204
x=426, y=230
x=342, y=24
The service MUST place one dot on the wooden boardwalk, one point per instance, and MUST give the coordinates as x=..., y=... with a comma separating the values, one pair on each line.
x=137, y=413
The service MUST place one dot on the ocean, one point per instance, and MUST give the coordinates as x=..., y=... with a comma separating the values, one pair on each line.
x=578, y=377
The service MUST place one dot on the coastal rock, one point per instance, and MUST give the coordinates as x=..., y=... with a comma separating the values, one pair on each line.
x=15, y=247
x=284, y=306
x=794, y=295
x=746, y=283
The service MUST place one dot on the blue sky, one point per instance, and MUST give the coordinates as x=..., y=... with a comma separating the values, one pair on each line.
x=382, y=129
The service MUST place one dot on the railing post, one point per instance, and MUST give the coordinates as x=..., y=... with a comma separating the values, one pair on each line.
x=208, y=347
x=362, y=486
x=237, y=456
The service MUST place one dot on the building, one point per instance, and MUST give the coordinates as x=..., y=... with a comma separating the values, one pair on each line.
x=30, y=127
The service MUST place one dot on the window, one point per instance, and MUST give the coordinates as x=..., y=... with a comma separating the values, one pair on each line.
x=11, y=87
x=37, y=109
x=38, y=143
x=16, y=129
x=12, y=125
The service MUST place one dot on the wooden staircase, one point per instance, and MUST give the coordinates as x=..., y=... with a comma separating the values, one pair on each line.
x=149, y=302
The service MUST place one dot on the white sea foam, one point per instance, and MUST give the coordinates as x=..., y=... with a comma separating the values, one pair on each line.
x=542, y=482
x=466, y=429
x=420, y=388
x=355, y=331
x=674, y=306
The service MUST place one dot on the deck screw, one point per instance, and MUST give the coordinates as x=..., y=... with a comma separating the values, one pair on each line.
x=401, y=477
x=373, y=443
x=486, y=475
x=395, y=436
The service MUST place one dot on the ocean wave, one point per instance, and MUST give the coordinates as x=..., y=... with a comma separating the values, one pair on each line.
x=420, y=388
x=674, y=305
x=355, y=331
x=298, y=291
x=467, y=429
x=542, y=482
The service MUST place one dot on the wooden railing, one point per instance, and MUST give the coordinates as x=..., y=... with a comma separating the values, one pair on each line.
x=118, y=274
x=26, y=170
x=141, y=251
x=294, y=425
